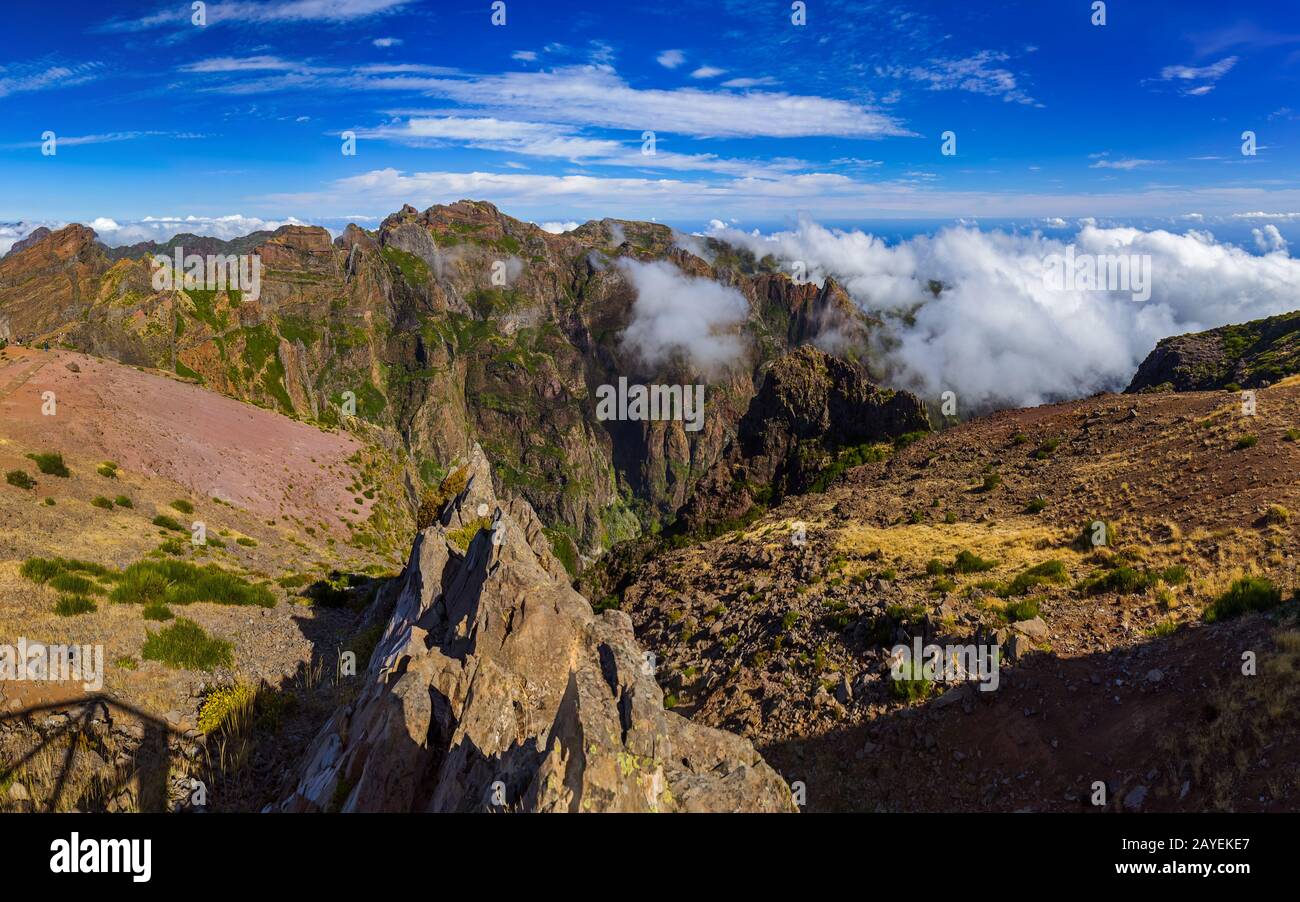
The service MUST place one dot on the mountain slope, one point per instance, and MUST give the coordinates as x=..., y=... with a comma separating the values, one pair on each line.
x=1122, y=663
x=410, y=321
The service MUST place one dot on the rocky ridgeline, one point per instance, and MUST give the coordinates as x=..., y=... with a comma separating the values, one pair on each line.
x=409, y=320
x=495, y=688
x=1249, y=355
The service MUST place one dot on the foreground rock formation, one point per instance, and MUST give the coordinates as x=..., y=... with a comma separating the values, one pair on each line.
x=495, y=687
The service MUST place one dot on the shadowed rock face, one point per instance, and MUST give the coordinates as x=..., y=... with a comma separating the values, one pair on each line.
x=495, y=687
x=1251, y=355
x=810, y=405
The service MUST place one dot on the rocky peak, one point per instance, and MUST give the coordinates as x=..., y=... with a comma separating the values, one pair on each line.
x=496, y=688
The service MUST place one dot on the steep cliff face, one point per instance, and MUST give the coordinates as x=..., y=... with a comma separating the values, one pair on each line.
x=1250, y=355
x=495, y=688
x=450, y=326
x=811, y=408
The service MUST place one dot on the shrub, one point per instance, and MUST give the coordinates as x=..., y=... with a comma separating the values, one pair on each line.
x=1025, y=581
x=167, y=522
x=101, y=502
x=184, y=644
x=1292, y=435
x=991, y=482
x=246, y=542
x=462, y=536
x=183, y=506
x=20, y=479
x=911, y=686
x=1044, y=451
x=229, y=708
x=108, y=470
x=48, y=502
x=1036, y=505
x=71, y=605
x=1250, y=593
x=123, y=501
x=1124, y=580
x=1248, y=440
x=1019, y=439
x=944, y=584
x=1277, y=515
x=1021, y=609
x=433, y=500
x=74, y=583
x=1108, y=533
x=968, y=562
x=39, y=569
x=935, y=567
x=51, y=464
x=157, y=611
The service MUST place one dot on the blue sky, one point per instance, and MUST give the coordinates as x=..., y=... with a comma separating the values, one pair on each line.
x=756, y=119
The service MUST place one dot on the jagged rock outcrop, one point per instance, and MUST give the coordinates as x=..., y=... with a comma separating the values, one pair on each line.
x=811, y=405
x=1250, y=355
x=495, y=688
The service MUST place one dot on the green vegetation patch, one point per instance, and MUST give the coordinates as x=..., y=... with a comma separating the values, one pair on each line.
x=180, y=582
x=184, y=644
x=1250, y=593
x=51, y=464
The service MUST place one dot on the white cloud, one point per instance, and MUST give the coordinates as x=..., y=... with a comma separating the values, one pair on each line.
x=976, y=74
x=762, y=82
x=1285, y=217
x=249, y=64
x=24, y=78
x=387, y=42
x=1204, y=76
x=1269, y=240
x=1194, y=73
x=558, y=228
x=676, y=313
x=526, y=56
x=708, y=72
x=1126, y=164
x=998, y=336
x=544, y=140
x=255, y=12
x=597, y=96
x=671, y=59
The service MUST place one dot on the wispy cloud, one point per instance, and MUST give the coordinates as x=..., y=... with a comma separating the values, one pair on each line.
x=597, y=96
x=977, y=74
x=708, y=72
x=247, y=12
x=1197, y=81
x=1103, y=161
x=25, y=77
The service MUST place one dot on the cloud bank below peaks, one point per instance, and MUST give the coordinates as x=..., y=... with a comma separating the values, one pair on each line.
x=998, y=335
x=679, y=314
